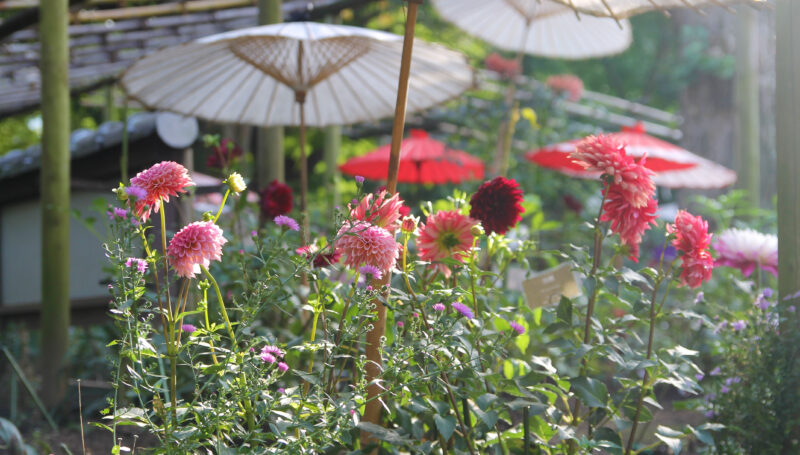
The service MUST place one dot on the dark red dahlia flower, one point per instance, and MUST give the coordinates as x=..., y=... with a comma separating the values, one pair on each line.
x=223, y=154
x=276, y=199
x=322, y=259
x=497, y=205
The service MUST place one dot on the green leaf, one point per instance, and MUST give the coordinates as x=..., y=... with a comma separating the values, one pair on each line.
x=445, y=425
x=609, y=440
x=489, y=418
x=545, y=364
x=486, y=400
x=384, y=434
x=564, y=311
x=591, y=391
x=673, y=443
x=537, y=316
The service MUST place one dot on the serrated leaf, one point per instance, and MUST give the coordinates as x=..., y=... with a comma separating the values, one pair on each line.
x=591, y=391
x=445, y=425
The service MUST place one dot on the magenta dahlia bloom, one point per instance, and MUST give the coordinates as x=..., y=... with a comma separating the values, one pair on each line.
x=746, y=250
x=160, y=181
x=380, y=210
x=196, y=244
x=276, y=200
x=497, y=205
x=365, y=244
x=446, y=234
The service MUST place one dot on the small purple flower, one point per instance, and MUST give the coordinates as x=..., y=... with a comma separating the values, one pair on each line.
x=762, y=303
x=739, y=325
x=701, y=297
x=253, y=233
x=369, y=288
x=141, y=264
x=699, y=376
x=720, y=327
x=767, y=293
x=188, y=328
x=272, y=350
x=463, y=310
x=517, y=327
x=352, y=412
x=268, y=358
x=359, y=179
x=710, y=414
x=283, y=367
x=135, y=222
x=400, y=324
x=724, y=389
x=281, y=390
x=372, y=271
x=120, y=212
x=415, y=314
x=438, y=307
x=716, y=371
x=792, y=308
x=136, y=191
x=286, y=222
x=354, y=201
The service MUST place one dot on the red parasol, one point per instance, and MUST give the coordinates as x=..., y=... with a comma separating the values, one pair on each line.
x=674, y=167
x=422, y=160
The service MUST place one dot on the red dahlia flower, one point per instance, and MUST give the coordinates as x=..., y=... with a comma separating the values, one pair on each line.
x=276, y=200
x=380, y=210
x=628, y=221
x=497, y=205
x=692, y=239
x=160, y=181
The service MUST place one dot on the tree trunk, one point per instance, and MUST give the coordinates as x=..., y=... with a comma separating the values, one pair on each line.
x=748, y=164
x=269, y=156
x=55, y=191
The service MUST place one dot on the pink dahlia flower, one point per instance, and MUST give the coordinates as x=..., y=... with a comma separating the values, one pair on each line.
x=566, y=83
x=362, y=243
x=605, y=155
x=446, y=234
x=380, y=210
x=196, y=244
x=746, y=249
x=692, y=239
x=628, y=221
x=506, y=67
x=160, y=181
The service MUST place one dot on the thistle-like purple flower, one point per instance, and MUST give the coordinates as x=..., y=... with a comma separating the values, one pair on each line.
x=517, y=327
x=372, y=271
x=286, y=222
x=463, y=310
x=438, y=307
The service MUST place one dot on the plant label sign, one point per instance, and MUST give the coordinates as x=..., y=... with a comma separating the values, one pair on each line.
x=547, y=287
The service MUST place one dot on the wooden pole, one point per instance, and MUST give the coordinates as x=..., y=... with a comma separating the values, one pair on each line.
x=787, y=130
x=269, y=154
x=372, y=412
x=747, y=106
x=333, y=144
x=55, y=191
x=304, y=225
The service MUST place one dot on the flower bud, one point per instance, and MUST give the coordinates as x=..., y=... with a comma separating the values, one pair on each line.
x=409, y=225
x=236, y=183
x=122, y=195
x=477, y=230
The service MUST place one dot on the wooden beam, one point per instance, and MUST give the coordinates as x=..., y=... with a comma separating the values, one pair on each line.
x=55, y=198
x=748, y=145
x=787, y=113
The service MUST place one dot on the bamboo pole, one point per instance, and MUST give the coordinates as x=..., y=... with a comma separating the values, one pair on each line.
x=269, y=155
x=333, y=144
x=55, y=197
x=787, y=13
x=747, y=106
x=372, y=412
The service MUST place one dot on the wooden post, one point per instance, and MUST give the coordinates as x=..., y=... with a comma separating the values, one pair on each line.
x=747, y=105
x=55, y=191
x=787, y=130
x=268, y=154
x=333, y=143
x=372, y=411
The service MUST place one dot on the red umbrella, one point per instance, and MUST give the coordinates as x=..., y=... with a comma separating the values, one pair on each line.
x=422, y=160
x=674, y=167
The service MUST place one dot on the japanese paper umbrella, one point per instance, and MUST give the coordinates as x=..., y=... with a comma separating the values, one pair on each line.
x=626, y=8
x=294, y=74
x=674, y=167
x=422, y=160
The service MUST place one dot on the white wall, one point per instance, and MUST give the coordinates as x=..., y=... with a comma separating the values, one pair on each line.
x=20, y=251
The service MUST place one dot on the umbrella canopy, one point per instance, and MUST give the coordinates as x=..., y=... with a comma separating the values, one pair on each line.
x=674, y=167
x=422, y=160
x=537, y=27
x=628, y=8
x=254, y=75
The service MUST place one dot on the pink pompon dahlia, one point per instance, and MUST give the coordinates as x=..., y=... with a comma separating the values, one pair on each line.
x=628, y=221
x=746, y=250
x=379, y=209
x=160, y=181
x=196, y=244
x=497, y=205
x=605, y=155
x=446, y=234
x=692, y=240
x=362, y=243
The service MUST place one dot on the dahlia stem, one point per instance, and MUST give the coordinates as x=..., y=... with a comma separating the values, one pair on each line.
x=222, y=206
x=166, y=261
x=205, y=311
x=221, y=305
